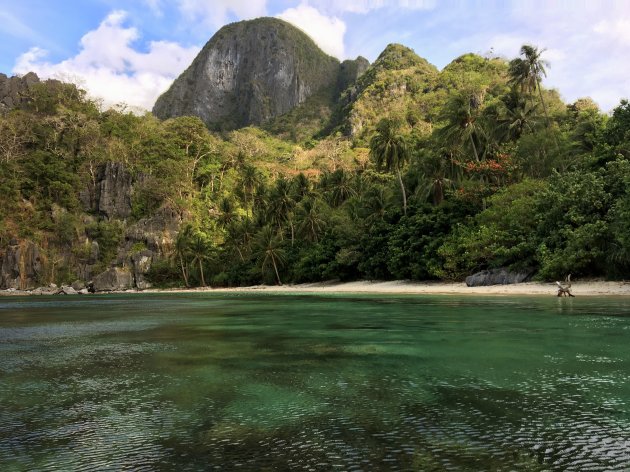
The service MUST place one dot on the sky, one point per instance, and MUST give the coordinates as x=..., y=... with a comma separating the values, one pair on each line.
x=130, y=51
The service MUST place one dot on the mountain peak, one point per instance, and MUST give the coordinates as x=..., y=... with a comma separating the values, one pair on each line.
x=396, y=57
x=248, y=73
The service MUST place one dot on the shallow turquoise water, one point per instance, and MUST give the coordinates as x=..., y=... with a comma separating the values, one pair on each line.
x=262, y=382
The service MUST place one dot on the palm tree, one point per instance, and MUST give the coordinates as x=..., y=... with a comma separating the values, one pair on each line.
x=523, y=117
x=226, y=207
x=310, y=222
x=338, y=187
x=462, y=114
x=376, y=203
x=389, y=149
x=437, y=176
x=250, y=178
x=526, y=72
x=260, y=199
x=280, y=204
x=268, y=249
x=239, y=236
x=199, y=249
x=182, y=250
x=300, y=186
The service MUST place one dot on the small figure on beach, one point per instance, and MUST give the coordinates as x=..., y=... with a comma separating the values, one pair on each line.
x=564, y=288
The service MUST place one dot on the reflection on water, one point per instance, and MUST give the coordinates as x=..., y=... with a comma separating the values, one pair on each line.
x=244, y=382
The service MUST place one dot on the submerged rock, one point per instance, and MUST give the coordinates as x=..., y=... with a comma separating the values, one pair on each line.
x=501, y=276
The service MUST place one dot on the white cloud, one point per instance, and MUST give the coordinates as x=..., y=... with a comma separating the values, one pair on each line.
x=615, y=29
x=216, y=12
x=108, y=66
x=326, y=31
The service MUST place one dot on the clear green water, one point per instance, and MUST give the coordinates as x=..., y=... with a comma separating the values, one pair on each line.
x=262, y=382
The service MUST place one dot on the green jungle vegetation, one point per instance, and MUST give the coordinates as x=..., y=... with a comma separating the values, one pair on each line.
x=411, y=173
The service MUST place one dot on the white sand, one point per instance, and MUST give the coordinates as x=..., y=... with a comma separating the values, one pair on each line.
x=580, y=288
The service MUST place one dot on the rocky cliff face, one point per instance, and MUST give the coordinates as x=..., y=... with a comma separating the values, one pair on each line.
x=249, y=73
x=20, y=265
x=14, y=90
x=350, y=72
x=110, y=195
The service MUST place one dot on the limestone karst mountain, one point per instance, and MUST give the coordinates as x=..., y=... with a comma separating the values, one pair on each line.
x=249, y=73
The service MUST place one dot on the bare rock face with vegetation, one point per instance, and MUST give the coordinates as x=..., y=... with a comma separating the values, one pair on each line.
x=15, y=90
x=113, y=279
x=249, y=73
x=110, y=192
x=20, y=265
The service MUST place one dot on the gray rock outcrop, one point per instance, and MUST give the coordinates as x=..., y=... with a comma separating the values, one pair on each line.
x=350, y=71
x=67, y=290
x=14, y=91
x=78, y=285
x=113, y=279
x=248, y=73
x=20, y=265
x=157, y=232
x=111, y=193
x=501, y=276
x=45, y=290
x=141, y=264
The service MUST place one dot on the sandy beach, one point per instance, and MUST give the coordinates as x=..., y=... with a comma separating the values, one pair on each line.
x=579, y=288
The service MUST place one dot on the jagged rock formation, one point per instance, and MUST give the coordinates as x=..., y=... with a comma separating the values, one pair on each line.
x=350, y=72
x=14, y=91
x=20, y=266
x=141, y=264
x=110, y=194
x=157, y=232
x=113, y=279
x=249, y=73
x=319, y=114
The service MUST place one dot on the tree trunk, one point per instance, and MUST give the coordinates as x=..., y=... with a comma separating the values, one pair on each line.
x=402, y=188
x=472, y=141
x=292, y=232
x=275, y=267
x=438, y=193
x=184, y=272
x=203, y=280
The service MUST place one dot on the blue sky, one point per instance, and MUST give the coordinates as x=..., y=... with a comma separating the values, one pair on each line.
x=130, y=51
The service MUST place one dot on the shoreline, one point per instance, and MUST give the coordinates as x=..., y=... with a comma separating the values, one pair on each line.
x=584, y=288
x=579, y=288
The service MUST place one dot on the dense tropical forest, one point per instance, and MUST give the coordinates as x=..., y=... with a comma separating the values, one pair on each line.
x=412, y=173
